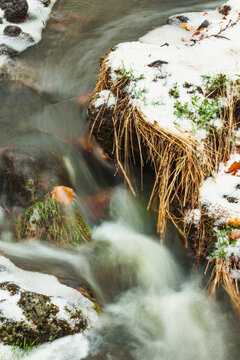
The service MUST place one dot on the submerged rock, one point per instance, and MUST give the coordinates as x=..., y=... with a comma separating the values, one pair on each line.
x=29, y=172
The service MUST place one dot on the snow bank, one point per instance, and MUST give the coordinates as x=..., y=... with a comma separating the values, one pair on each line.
x=169, y=70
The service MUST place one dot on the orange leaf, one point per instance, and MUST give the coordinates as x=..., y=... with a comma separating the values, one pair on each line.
x=234, y=234
x=187, y=27
x=234, y=222
x=63, y=195
x=234, y=168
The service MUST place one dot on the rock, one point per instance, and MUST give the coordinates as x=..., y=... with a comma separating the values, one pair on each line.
x=177, y=19
x=40, y=322
x=46, y=3
x=12, y=31
x=7, y=50
x=224, y=10
x=15, y=10
x=50, y=221
x=30, y=172
x=35, y=308
x=204, y=25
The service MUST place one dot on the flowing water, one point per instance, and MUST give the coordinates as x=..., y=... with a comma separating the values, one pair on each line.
x=154, y=306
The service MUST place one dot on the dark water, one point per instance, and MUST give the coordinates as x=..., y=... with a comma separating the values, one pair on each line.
x=151, y=312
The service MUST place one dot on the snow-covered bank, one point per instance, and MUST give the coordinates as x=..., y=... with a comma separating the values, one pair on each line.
x=17, y=33
x=172, y=99
x=172, y=70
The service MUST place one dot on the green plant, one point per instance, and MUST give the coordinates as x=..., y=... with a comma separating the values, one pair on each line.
x=174, y=91
x=157, y=102
x=24, y=348
x=218, y=82
x=139, y=93
x=51, y=221
x=201, y=111
x=181, y=109
x=128, y=74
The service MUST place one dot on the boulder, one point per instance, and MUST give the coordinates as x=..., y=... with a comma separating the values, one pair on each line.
x=15, y=10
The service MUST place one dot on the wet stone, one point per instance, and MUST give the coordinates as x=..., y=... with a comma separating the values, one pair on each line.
x=224, y=10
x=46, y=3
x=177, y=19
x=29, y=172
x=12, y=31
x=7, y=50
x=204, y=25
x=15, y=10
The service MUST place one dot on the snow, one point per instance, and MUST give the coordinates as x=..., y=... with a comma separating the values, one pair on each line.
x=33, y=26
x=47, y=285
x=105, y=97
x=216, y=193
x=193, y=216
x=183, y=60
x=9, y=307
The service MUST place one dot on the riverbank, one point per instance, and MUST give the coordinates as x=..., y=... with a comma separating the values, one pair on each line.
x=171, y=100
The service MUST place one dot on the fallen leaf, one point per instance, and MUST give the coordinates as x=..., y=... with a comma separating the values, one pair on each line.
x=63, y=195
x=234, y=222
x=187, y=27
x=233, y=169
x=234, y=234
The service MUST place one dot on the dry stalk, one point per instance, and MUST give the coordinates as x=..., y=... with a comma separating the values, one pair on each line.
x=179, y=167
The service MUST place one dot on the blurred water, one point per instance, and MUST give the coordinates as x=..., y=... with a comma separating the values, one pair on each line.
x=152, y=309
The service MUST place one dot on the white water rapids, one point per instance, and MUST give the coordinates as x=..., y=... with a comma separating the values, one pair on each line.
x=150, y=309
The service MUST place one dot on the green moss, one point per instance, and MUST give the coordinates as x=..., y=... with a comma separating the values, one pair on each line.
x=42, y=323
x=96, y=307
x=48, y=220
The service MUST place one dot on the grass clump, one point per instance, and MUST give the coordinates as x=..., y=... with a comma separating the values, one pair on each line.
x=53, y=222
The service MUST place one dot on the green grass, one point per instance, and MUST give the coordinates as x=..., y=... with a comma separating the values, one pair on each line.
x=23, y=348
x=174, y=91
x=128, y=74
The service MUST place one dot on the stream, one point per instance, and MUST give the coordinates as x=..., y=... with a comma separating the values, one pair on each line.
x=154, y=305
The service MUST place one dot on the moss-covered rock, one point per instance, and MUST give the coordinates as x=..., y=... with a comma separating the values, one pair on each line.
x=42, y=319
x=53, y=222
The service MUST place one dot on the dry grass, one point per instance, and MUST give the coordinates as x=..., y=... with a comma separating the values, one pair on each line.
x=179, y=167
x=221, y=276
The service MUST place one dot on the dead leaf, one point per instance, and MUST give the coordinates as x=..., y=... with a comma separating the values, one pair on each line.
x=187, y=27
x=63, y=195
x=233, y=169
x=198, y=32
x=234, y=234
x=234, y=222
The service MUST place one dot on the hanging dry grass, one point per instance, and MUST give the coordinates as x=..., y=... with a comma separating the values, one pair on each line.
x=222, y=276
x=179, y=167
